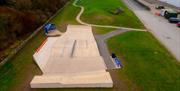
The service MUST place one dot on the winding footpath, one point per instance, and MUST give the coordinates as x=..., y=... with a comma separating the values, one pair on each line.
x=102, y=38
x=78, y=19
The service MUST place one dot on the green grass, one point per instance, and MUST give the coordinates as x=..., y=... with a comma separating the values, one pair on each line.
x=147, y=63
x=99, y=30
x=15, y=72
x=67, y=15
x=97, y=12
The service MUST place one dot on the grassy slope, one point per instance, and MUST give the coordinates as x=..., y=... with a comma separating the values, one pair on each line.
x=96, y=12
x=147, y=63
x=99, y=30
x=66, y=16
x=15, y=73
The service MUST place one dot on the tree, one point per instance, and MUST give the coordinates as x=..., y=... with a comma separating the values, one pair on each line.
x=3, y=2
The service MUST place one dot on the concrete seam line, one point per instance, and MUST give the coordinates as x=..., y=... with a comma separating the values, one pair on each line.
x=78, y=19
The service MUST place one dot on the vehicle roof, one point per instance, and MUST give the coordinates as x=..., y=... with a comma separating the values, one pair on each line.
x=169, y=10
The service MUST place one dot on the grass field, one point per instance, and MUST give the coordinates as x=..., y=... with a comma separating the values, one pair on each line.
x=146, y=62
x=97, y=12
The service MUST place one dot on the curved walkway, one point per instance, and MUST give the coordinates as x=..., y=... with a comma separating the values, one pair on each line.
x=78, y=18
x=102, y=38
x=101, y=42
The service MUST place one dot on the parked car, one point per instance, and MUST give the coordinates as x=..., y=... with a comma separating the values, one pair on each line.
x=174, y=20
x=178, y=24
x=164, y=11
x=160, y=7
x=170, y=13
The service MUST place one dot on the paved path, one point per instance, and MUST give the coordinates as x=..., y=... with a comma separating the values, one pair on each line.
x=78, y=18
x=104, y=49
x=167, y=33
x=101, y=38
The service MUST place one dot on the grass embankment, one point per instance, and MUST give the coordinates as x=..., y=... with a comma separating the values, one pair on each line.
x=147, y=64
x=66, y=16
x=98, y=12
x=100, y=30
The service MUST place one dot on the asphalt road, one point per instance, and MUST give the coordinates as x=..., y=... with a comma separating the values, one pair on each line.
x=101, y=42
x=168, y=34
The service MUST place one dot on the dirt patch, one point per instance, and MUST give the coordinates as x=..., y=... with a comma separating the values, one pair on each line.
x=121, y=84
x=62, y=27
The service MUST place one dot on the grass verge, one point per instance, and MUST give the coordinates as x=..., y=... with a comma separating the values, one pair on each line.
x=99, y=30
x=146, y=62
x=66, y=16
x=98, y=12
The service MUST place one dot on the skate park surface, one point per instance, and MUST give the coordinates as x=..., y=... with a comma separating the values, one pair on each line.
x=70, y=61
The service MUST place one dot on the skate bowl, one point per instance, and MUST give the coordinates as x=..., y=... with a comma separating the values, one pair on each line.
x=71, y=61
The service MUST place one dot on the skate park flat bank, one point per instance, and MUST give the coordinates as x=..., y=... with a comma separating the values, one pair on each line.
x=71, y=60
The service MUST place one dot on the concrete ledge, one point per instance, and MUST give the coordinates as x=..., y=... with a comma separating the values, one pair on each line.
x=101, y=79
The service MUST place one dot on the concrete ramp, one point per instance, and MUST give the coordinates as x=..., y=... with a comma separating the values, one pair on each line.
x=102, y=79
x=71, y=60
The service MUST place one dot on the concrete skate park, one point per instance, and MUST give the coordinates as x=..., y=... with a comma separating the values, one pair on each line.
x=71, y=60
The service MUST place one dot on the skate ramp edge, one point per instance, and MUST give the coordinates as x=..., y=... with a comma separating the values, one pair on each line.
x=88, y=80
